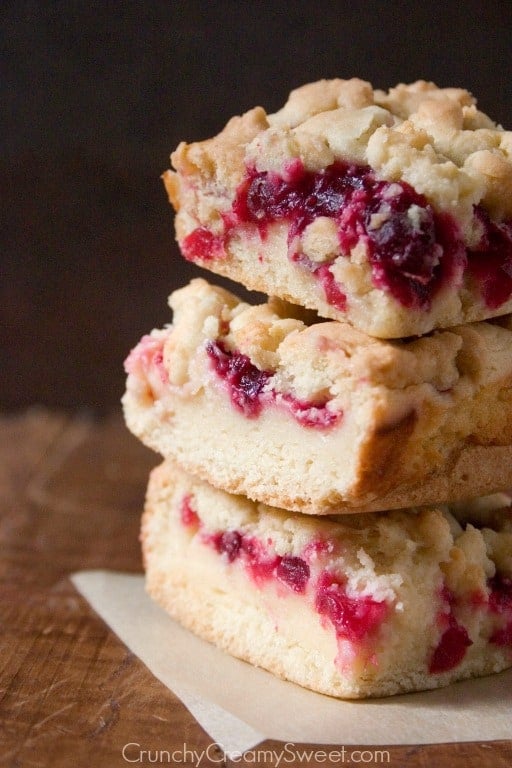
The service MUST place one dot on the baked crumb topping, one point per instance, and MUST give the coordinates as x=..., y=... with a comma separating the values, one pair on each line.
x=433, y=138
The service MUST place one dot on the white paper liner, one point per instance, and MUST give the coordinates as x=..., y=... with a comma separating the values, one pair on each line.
x=240, y=706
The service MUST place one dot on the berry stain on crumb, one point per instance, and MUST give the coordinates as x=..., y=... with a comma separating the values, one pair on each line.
x=353, y=618
x=188, y=515
x=249, y=389
x=454, y=640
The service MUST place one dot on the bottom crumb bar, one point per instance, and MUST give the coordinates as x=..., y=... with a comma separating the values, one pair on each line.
x=355, y=606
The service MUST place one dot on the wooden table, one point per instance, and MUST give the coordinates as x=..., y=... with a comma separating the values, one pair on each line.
x=71, y=491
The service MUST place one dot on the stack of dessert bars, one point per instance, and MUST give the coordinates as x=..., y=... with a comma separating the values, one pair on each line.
x=332, y=502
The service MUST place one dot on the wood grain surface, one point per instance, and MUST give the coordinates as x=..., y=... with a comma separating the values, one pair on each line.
x=71, y=694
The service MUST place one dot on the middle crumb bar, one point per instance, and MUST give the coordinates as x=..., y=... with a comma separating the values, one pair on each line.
x=319, y=417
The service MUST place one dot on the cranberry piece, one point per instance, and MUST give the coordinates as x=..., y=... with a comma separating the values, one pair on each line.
x=260, y=570
x=188, y=515
x=294, y=572
x=454, y=641
x=500, y=601
x=332, y=290
x=500, y=598
x=502, y=636
x=244, y=380
x=310, y=415
x=451, y=648
x=260, y=563
x=246, y=385
x=147, y=355
x=317, y=548
x=202, y=244
x=490, y=264
x=352, y=617
x=413, y=263
x=411, y=249
x=228, y=543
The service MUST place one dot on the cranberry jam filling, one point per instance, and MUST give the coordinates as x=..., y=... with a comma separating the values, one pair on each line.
x=203, y=245
x=352, y=618
x=500, y=602
x=244, y=381
x=356, y=619
x=249, y=389
x=490, y=264
x=412, y=249
x=453, y=643
x=451, y=648
x=260, y=563
x=188, y=515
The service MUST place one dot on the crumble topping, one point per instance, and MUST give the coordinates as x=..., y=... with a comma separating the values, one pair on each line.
x=328, y=355
x=433, y=138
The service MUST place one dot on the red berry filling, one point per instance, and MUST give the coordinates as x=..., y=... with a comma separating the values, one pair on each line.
x=293, y=571
x=229, y=544
x=188, y=515
x=500, y=597
x=353, y=618
x=500, y=602
x=248, y=389
x=260, y=563
x=245, y=382
x=318, y=547
x=202, y=244
x=451, y=648
x=310, y=415
x=454, y=641
x=333, y=292
x=412, y=249
x=404, y=251
x=491, y=263
x=147, y=355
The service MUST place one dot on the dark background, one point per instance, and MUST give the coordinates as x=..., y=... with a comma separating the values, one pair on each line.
x=95, y=95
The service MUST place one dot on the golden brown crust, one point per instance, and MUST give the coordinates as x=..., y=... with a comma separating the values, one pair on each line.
x=384, y=455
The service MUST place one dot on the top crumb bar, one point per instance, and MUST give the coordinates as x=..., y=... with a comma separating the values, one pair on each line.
x=392, y=210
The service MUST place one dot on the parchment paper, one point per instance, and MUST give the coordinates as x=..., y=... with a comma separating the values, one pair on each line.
x=239, y=706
